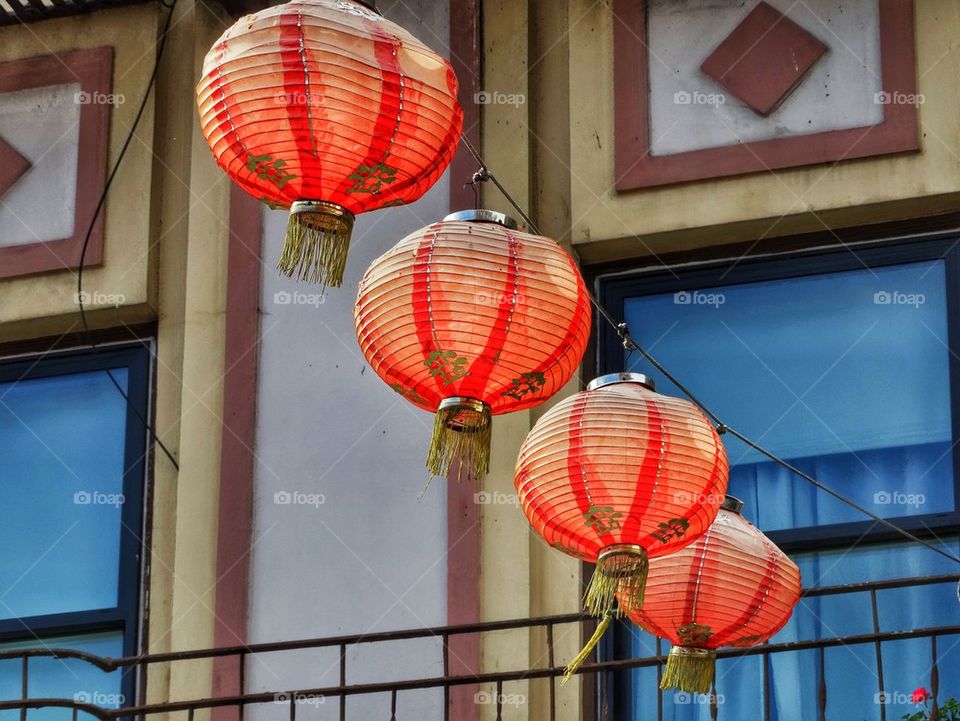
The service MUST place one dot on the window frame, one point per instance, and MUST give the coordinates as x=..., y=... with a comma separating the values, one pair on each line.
x=614, y=290
x=125, y=615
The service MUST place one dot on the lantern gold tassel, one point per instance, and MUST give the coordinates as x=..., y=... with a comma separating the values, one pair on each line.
x=315, y=247
x=461, y=432
x=690, y=669
x=584, y=654
x=621, y=566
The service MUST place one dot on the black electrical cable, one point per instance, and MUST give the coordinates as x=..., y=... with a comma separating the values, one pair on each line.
x=96, y=213
x=631, y=345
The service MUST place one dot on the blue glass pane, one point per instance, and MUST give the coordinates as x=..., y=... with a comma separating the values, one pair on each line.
x=61, y=483
x=70, y=679
x=844, y=374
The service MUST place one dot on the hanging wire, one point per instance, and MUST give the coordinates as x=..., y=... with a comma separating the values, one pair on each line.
x=88, y=335
x=631, y=345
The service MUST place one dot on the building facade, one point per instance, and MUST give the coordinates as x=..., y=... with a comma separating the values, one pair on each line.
x=765, y=193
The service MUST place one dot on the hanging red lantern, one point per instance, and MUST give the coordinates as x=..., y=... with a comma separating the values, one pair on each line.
x=616, y=475
x=328, y=109
x=470, y=318
x=730, y=587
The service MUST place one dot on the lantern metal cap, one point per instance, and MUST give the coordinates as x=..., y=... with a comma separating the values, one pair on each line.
x=692, y=652
x=369, y=5
x=612, y=378
x=481, y=215
x=734, y=505
x=465, y=414
x=322, y=207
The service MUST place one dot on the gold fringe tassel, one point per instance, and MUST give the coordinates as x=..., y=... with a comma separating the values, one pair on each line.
x=461, y=434
x=316, y=244
x=623, y=569
x=690, y=669
x=584, y=654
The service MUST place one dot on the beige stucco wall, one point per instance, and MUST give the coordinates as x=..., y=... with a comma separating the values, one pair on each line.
x=520, y=575
x=44, y=304
x=191, y=211
x=610, y=226
x=166, y=241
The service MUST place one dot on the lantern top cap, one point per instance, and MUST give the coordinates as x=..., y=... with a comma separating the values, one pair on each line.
x=481, y=215
x=369, y=5
x=612, y=378
x=734, y=505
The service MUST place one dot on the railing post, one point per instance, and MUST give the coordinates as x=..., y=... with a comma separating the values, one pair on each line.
x=24, y=687
x=343, y=681
x=822, y=690
x=878, y=646
x=553, y=679
x=659, y=679
x=934, y=680
x=243, y=683
x=446, y=672
x=766, y=686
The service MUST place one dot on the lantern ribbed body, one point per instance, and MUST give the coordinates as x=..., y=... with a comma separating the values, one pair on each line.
x=327, y=101
x=731, y=587
x=621, y=464
x=473, y=310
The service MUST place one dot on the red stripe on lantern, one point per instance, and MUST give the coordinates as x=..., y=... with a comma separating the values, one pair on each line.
x=617, y=437
x=740, y=589
x=466, y=313
x=327, y=108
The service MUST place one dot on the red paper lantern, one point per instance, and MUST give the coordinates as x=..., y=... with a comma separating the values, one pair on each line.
x=617, y=475
x=469, y=318
x=326, y=108
x=730, y=587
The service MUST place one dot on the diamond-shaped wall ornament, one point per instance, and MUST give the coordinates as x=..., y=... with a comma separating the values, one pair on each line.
x=12, y=166
x=764, y=58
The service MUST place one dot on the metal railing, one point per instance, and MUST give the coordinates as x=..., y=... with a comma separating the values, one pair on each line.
x=27, y=11
x=500, y=680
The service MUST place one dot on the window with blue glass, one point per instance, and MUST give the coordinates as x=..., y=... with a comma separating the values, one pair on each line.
x=72, y=464
x=846, y=364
